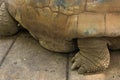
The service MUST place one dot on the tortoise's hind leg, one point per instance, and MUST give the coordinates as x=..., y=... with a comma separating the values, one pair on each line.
x=93, y=55
x=8, y=26
x=114, y=43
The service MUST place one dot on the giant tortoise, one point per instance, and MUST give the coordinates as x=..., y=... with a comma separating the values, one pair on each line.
x=92, y=26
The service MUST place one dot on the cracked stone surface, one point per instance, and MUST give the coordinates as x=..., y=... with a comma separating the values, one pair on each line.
x=27, y=60
x=5, y=44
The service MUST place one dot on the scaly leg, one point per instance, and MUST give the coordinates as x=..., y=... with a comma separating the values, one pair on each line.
x=93, y=55
x=8, y=26
x=114, y=43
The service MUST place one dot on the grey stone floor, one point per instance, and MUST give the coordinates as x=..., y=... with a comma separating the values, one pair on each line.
x=22, y=58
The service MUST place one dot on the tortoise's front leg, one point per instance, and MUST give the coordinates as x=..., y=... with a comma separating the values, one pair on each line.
x=8, y=26
x=93, y=55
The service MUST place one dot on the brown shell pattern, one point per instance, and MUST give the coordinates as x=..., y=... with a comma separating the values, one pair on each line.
x=67, y=19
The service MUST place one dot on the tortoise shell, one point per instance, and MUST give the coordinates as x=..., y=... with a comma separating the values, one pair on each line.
x=67, y=19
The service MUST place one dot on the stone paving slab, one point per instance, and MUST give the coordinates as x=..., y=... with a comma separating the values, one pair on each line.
x=27, y=60
x=112, y=73
x=5, y=44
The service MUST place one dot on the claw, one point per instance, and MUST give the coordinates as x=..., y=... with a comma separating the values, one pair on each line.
x=73, y=60
x=81, y=70
x=77, y=54
x=75, y=65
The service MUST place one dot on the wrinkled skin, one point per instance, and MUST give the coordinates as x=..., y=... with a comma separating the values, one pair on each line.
x=56, y=24
x=7, y=24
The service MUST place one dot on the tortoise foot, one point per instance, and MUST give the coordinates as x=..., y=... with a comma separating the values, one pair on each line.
x=93, y=56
